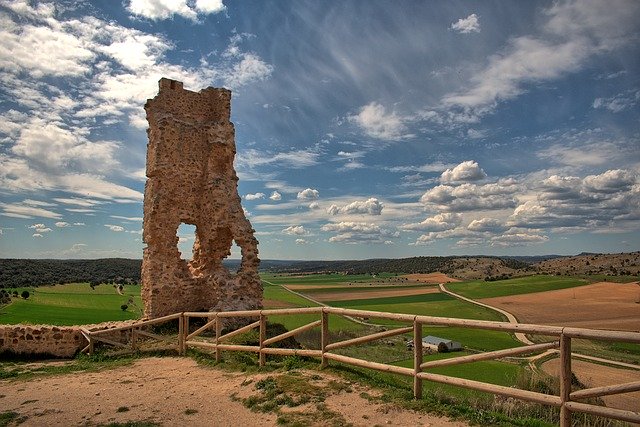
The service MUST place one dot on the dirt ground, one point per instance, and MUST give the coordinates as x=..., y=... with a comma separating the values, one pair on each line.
x=431, y=278
x=367, y=294
x=594, y=375
x=174, y=391
x=602, y=305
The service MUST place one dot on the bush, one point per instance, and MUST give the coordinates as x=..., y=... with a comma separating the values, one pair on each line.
x=25, y=294
x=124, y=307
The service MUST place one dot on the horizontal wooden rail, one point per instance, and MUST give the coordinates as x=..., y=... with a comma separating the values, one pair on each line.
x=292, y=333
x=367, y=364
x=530, y=396
x=617, y=414
x=292, y=352
x=369, y=338
x=490, y=355
x=606, y=390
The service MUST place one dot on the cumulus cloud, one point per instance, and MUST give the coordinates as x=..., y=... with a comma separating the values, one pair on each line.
x=465, y=171
x=295, y=230
x=376, y=122
x=314, y=205
x=358, y=232
x=40, y=228
x=275, y=196
x=439, y=222
x=62, y=224
x=255, y=196
x=301, y=242
x=371, y=206
x=467, y=25
x=594, y=202
x=308, y=194
x=486, y=225
x=36, y=235
x=518, y=239
x=471, y=197
x=115, y=228
x=165, y=9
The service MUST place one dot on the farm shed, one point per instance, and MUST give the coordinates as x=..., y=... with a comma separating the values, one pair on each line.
x=433, y=343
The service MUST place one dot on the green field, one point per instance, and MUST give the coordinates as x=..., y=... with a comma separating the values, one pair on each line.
x=72, y=304
x=522, y=285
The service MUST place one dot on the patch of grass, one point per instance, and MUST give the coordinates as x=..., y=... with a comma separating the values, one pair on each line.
x=71, y=304
x=522, y=285
x=7, y=417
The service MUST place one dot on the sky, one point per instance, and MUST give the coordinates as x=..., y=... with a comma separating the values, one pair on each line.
x=364, y=129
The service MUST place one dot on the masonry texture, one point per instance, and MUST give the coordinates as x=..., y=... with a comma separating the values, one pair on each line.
x=191, y=180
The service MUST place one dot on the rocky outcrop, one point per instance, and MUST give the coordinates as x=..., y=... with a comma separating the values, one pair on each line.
x=191, y=180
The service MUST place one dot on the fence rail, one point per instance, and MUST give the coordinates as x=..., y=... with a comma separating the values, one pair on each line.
x=567, y=400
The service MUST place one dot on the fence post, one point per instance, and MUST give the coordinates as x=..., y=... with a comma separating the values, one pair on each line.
x=565, y=379
x=263, y=335
x=218, y=333
x=185, y=333
x=181, y=334
x=417, y=359
x=134, y=339
x=324, y=338
x=91, y=344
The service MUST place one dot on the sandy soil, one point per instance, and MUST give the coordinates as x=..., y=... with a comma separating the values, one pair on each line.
x=431, y=278
x=382, y=293
x=594, y=375
x=172, y=391
x=600, y=305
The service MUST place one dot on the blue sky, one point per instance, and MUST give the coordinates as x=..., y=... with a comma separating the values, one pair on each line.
x=364, y=129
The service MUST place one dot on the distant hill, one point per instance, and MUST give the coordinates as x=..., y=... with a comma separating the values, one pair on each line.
x=38, y=272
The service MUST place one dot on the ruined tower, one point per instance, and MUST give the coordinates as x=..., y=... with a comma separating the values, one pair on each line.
x=191, y=180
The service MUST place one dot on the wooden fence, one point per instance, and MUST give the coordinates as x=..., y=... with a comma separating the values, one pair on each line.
x=567, y=401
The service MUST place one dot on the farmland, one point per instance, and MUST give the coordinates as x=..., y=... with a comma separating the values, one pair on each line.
x=72, y=304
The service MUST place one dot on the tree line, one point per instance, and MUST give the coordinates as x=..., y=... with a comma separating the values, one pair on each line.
x=15, y=273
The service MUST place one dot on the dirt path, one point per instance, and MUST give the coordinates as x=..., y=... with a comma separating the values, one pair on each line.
x=174, y=391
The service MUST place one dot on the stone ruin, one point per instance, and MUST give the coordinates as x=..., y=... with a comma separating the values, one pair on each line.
x=191, y=180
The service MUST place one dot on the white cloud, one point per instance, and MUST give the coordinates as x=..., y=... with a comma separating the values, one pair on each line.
x=619, y=102
x=374, y=120
x=301, y=242
x=314, y=205
x=62, y=224
x=21, y=210
x=249, y=70
x=275, y=196
x=115, y=228
x=371, y=206
x=79, y=223
x=467, y=25
x=358, y=232
x=165, y=9
x=296, y=159
x=485, y=225
x=439, y=222
x=465, y=171
x=295, y=230
x=472, y=197
x=36, y=235
x=255, y=196
x=308, y=194
x=127, y=218
x=518, y=239
x=573, y=33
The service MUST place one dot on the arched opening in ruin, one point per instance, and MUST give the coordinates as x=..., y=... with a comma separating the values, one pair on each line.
x=186, y=234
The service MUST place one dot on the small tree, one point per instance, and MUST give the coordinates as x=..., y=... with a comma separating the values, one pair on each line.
x=25, y=294
x=124, y=307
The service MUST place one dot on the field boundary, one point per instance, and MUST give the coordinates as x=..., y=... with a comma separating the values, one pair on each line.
x=567, y=401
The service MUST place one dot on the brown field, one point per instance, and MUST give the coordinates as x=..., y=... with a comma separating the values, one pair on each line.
x=382, y=293
x=601, y=305
x=595, y=375
x=430, y=278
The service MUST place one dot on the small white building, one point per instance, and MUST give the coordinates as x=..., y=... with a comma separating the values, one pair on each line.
x=432, y=343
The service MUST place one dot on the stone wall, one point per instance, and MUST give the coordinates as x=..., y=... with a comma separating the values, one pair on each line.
x=59, y=341
x=191, y=180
